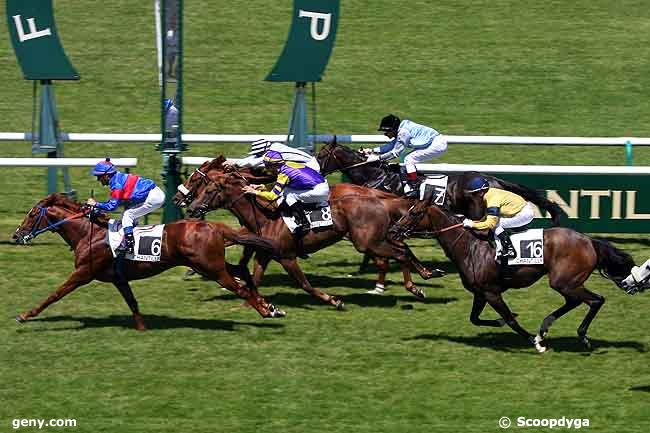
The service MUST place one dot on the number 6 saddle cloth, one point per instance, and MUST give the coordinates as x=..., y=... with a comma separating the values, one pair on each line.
x=529, y=245
x=148, y=241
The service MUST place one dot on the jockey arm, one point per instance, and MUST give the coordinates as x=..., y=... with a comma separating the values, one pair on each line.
x=490, y=222
x=277, y=189
x=109, y=205
x=395, y=147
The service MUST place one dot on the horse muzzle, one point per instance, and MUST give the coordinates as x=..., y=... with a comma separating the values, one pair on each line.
x=21, y=238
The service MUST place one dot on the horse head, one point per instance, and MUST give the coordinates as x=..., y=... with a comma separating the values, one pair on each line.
x=187, y=191
x=42, y=217
x=219, y=190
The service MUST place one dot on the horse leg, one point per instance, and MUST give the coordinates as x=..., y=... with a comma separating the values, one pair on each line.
x=496, y=301
x=409, y=285
x=259, y=266
x=78, y=278
x=595, y=302
x=127, y=294
x=241, y=272
x=380, y=285
x=292, y=268
x=478, y=305
x=570, y=302
x=246, y=255
x=364, y=263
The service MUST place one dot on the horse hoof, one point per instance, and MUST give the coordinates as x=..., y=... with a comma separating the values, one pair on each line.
x=501, y=322
x=417, y=292
x=20, y=319
x=586, y=343
x=275, y=312
x=338, y=304
x=537, y=341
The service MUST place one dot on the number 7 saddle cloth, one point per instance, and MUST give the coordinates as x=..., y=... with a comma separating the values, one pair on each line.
x=148, y=241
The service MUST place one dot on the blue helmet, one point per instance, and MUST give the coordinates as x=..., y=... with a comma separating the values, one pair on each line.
x=167, y=104
x=104, y=167
x=479, y=183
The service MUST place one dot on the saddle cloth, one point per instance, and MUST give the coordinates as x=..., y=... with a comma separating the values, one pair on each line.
x=529, y=245
x=318, y=215
x=148, y=241
x=436, y=187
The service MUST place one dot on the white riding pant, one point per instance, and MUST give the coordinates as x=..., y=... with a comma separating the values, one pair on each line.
x=437, y=147
x=317, y=194
x=155, y=199
x=525, y=216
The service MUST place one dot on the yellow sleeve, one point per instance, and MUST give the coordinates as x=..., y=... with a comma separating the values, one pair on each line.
x=488, y=223
x=280, y=183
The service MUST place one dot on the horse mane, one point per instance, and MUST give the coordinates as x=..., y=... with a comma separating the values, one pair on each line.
x=65, y=202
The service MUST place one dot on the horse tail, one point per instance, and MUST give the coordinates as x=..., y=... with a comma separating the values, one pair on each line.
x=613, y=263
x=537, y=199
x=252, y=240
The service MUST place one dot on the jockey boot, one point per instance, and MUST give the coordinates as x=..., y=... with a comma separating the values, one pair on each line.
x=507, y=249
x=298, y=213
x=126, y=247
x=303, y=226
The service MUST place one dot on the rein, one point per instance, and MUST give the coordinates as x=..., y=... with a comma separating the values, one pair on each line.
x=51, y=226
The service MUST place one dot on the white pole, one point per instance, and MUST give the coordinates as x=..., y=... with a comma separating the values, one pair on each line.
x=159, y=47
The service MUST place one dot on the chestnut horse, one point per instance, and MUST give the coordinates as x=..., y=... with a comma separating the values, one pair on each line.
x=196, y=244
x=363, y=219
x=569, y=259
x=396, y=207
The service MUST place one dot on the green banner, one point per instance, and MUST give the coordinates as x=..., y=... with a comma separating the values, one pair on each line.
x=594, y=203
x=36, y=42
x=310, y=41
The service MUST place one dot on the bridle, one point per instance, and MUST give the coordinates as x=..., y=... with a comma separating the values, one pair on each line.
x=51, y=226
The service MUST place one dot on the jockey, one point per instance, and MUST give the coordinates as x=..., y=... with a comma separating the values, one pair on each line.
x=426, y=142
x=255, y=157
x=298, y=184
x=504, y=210
x=141, y=195
x=171, y=114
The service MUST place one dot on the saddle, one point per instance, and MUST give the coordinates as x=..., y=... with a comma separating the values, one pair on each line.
x=148, y=241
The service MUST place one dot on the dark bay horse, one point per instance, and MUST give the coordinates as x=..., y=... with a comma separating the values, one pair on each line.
x=569, y=259
x=335, y=157
x=359, y=217
x=196, y=244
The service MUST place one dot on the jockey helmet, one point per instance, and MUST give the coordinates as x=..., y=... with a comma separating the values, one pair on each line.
x=103, y=167
x=273, y=157
x=167, y=104
x=389, y=123
x=479, y=183
x=259, y=147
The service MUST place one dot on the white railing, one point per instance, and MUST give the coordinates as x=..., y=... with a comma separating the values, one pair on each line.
x=64, y=162
x=487, y=169
x=248, y=138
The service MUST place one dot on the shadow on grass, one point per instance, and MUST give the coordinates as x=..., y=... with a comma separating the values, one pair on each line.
x=326, y=283
x=305, y=301
x=510, y=342
x=642, y=388
x=448, y=267
x=152, y=322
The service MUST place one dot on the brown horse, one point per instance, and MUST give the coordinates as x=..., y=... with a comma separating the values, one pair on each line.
x=396, y=208
x=363, y=219
x=569, y=259
x=380, y=175
x=196, y=244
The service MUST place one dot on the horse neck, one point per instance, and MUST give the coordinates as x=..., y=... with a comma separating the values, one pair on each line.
x=363, y=174
x=73, y=231
x=246, y=212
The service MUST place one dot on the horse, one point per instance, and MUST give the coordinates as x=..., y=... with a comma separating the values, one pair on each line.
x=363, y=219
x=196, y=244
x=200, y=178
x=380, y=175
x=569, y=259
